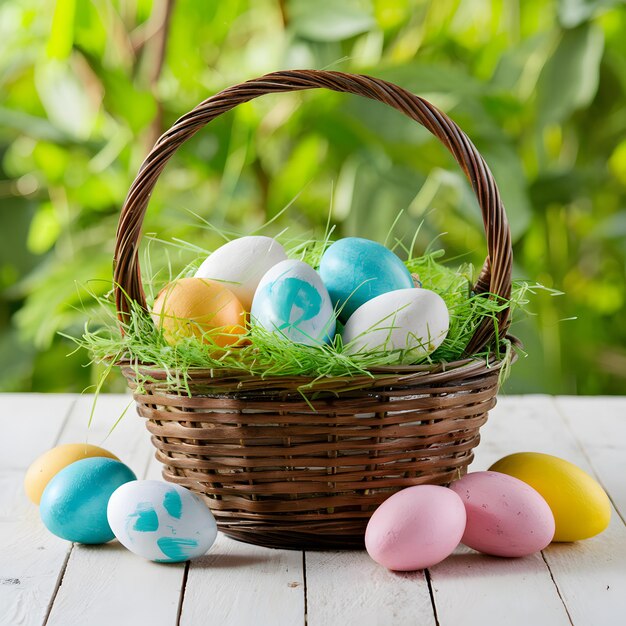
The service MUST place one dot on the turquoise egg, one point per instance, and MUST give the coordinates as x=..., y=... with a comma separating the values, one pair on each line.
x=291, y=299
x=74, y=503
x=356, y=270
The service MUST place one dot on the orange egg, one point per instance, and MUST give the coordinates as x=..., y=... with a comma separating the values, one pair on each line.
x=202, y=308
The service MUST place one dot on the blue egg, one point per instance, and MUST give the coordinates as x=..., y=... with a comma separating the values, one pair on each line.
x=74, y=503
x=291, y=299
x=356, y=270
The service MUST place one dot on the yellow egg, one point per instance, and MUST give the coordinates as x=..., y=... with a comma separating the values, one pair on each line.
x=44, y=468
x=580, y=506
x=202, y=308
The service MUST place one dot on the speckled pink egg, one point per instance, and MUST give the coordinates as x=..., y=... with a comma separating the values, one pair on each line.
x=505, y=516
x=415, y=528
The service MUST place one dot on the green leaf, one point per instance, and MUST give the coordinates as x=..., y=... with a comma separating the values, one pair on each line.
x=512, y=68
x=20, y=355
x=327, y=20
x=31, y=125
x=425, y=78
x=90, y=33
x=52, y=160
x=16, y=214
x=556, y=187
x=62, y=32
x=55, y=293
x=507, y=171
x=298, y=172
x=569, y=80
x=65, y=99
x=575, y=12
x=44, y=229
x=127, y=100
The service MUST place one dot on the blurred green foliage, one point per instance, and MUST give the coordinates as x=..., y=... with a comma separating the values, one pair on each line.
x=87, y=86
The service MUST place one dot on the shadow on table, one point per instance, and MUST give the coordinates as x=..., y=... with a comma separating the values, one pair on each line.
x=214, y=560
x=466, y=563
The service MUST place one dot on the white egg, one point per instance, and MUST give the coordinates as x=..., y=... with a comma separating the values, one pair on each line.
x=291, y=299
x=160, y=521
x=241, y=263
x=407, y=319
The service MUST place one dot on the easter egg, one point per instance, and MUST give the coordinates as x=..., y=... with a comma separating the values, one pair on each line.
x=505, y=516
x=415, y=528
x=241, y=263
x=291, y=299
x=356, y=270
x=580, y=506
x=416, y=320
x=74, y=504
x=160, y=521
x=53, y=461
x=202, y=308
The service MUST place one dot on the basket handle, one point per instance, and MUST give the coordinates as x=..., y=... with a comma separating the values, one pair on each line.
x=495, y=276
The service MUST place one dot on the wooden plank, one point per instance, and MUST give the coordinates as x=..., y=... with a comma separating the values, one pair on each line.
x=107, y=584
x=590, y=574
x=350, y=588
x=470, y=588
x=104, y=585
x=599, y=425
x=128, y=439
x=32, y=558
x=31, y=424
x=237, y=583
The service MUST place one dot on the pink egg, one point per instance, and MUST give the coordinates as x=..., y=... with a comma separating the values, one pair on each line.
x=505, y=516
x=415, y=528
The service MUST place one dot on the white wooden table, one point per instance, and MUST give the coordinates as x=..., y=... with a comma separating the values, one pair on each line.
x=45, y=580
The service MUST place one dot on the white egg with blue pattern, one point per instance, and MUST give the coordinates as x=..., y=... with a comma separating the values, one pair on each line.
x=160, y=521
x=291, y=299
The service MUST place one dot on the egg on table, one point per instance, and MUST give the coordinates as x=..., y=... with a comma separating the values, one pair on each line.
x=415, y=528
x=241, y=263
x=580, y=506
x=202, y=308
x=356, y=270
x=505, y=516
x=53, y=461
x=416, y=320
x=74, y=503
x=161, y=521
x=291, y=299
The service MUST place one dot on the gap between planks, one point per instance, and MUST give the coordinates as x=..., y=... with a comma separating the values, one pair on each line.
x=67, y=556
x=306, y=599
x=58, y=585
x=543, y=556
x=31, y=556
x=107, y=584
x=558, y=405
x=432, y=595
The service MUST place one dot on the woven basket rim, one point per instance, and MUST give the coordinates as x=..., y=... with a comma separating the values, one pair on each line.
x=403, y=374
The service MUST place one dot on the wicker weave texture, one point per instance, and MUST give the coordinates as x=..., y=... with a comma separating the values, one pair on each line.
x=286, y=464
x=282, y=471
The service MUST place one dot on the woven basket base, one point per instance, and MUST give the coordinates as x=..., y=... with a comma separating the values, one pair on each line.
x=328, y=530
x=292, y=540
x=283, y=471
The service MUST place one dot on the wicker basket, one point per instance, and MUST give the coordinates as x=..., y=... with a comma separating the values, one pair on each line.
x=283, y=471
